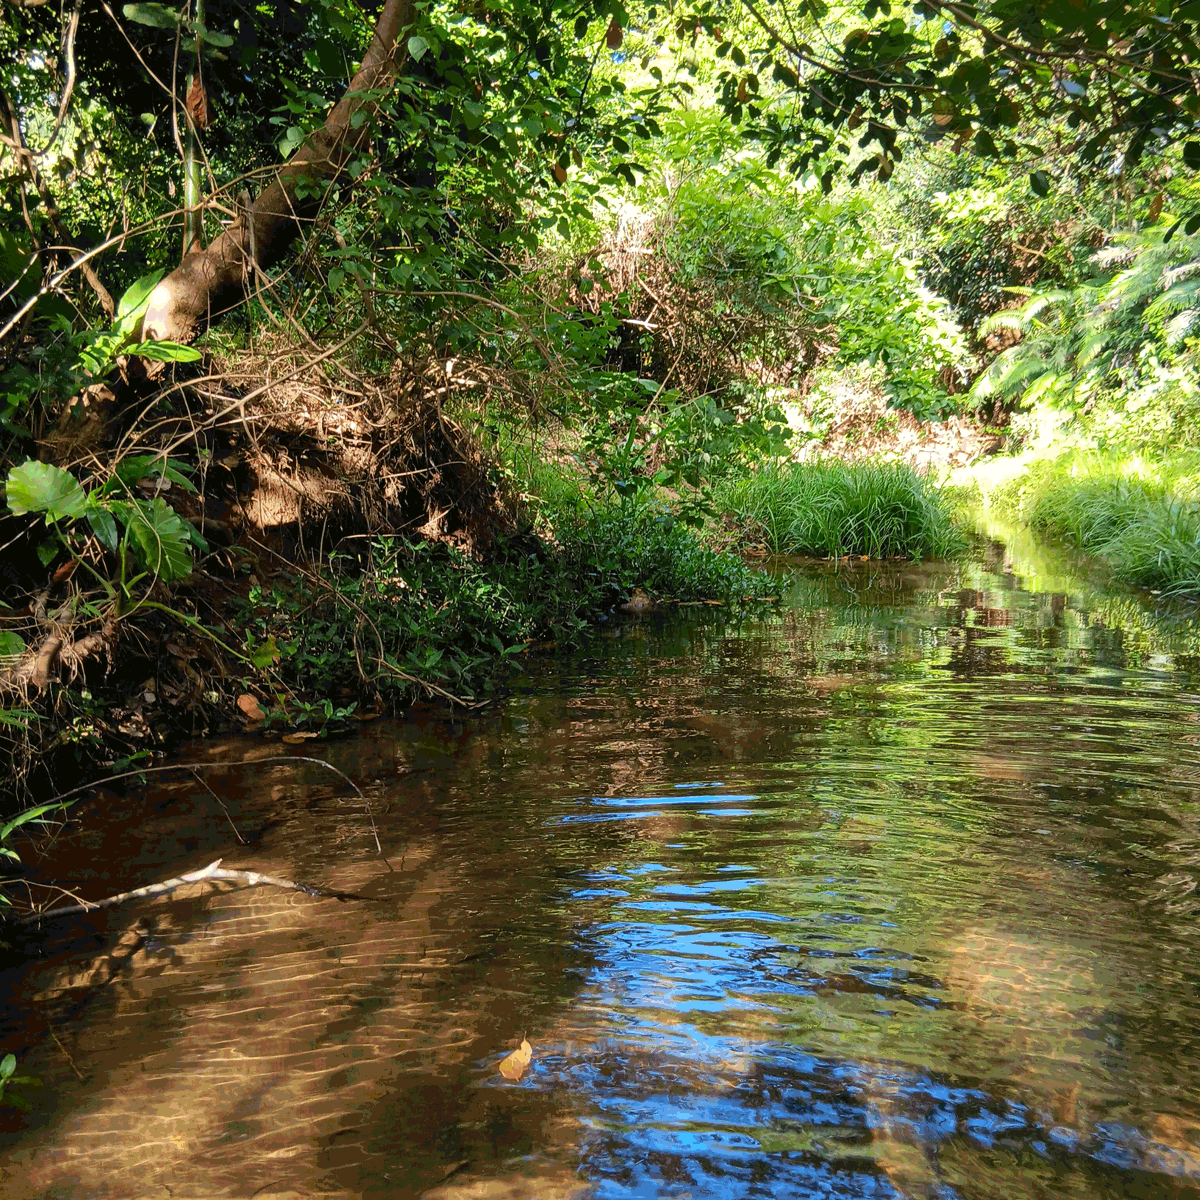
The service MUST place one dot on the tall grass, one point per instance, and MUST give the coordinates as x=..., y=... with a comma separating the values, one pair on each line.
x=834, y=509
x=1142, y=519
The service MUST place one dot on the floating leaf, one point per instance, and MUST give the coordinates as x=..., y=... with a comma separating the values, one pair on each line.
x=301, y=735
x=514, y=1065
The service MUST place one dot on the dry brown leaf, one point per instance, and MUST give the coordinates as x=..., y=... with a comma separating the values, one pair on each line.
x=560, y=173
x=615, y=35
x=196, y=104
x=249, y=706
x=1156, y=207
x=301, y=735
x=514, y=1065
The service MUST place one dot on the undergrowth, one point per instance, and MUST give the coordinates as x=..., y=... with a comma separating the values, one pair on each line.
x=405, y=612
x=1142, y=519
x=834, y=509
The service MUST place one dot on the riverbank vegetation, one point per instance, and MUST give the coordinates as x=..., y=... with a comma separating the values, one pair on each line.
x=345, y=355
x=836, y=510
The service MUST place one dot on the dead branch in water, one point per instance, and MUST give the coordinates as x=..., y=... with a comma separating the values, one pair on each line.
x=214, y=870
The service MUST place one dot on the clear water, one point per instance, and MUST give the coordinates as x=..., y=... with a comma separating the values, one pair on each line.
x=890, y=893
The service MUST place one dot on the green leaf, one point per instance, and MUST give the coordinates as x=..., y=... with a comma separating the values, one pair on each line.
x=1191, y=155
x=265, y=654
x=8, y=1064
x=209, y=37
x=418, y=47
x=166, y=352
x=157, y=16
x=1039, y=182
x=137, y=467
x=40, y=487
x=11, y=644
x=104, y=527
x=160, y=537
x=133, y=303
x=37, y=813
x=47, y=552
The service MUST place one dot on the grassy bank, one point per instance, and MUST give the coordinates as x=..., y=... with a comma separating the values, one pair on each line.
x=1139, y=517
x=833, y=509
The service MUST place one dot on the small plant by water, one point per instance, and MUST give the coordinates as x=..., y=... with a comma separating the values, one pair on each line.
x=414, y=616
x=835, y=509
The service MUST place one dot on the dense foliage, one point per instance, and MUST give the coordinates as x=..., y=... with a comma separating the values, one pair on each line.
x=303, y=273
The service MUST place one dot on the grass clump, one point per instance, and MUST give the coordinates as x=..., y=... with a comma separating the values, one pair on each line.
x=1141, y=519
x=834, y=509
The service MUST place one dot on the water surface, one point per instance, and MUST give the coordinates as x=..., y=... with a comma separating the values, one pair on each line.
x=891, y=892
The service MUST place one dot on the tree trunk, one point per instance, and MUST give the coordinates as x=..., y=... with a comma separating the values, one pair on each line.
x=212, y=281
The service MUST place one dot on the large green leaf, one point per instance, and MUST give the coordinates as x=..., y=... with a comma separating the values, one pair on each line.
x=132, y=304
x=160, y=537
x=161, y=351
x=39, y=487
x=157, y=16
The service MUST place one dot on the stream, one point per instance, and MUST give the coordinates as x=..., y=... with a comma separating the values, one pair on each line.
x=888, y=891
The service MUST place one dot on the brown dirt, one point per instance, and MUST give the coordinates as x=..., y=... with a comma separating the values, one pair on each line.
x=292, y=459
x=865, y=428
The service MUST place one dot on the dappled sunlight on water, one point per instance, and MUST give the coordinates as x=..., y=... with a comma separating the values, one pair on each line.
x=889, y=893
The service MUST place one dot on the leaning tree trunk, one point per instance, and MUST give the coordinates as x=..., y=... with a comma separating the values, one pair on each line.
x=213, y=280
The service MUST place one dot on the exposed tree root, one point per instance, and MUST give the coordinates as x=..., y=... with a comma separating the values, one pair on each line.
x=37, y=670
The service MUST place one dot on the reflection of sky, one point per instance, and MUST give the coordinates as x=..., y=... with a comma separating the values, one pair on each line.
x=751, y=1034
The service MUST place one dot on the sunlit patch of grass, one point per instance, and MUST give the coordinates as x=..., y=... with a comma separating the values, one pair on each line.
x=834, y=509
x=1142, y=519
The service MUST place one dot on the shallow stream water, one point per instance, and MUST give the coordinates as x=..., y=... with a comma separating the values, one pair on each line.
x=888, y=892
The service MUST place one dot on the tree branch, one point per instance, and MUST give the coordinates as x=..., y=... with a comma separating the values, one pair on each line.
x=212, y=281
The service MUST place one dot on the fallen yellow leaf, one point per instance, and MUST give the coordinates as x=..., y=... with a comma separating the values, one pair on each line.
x=513, y=1067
